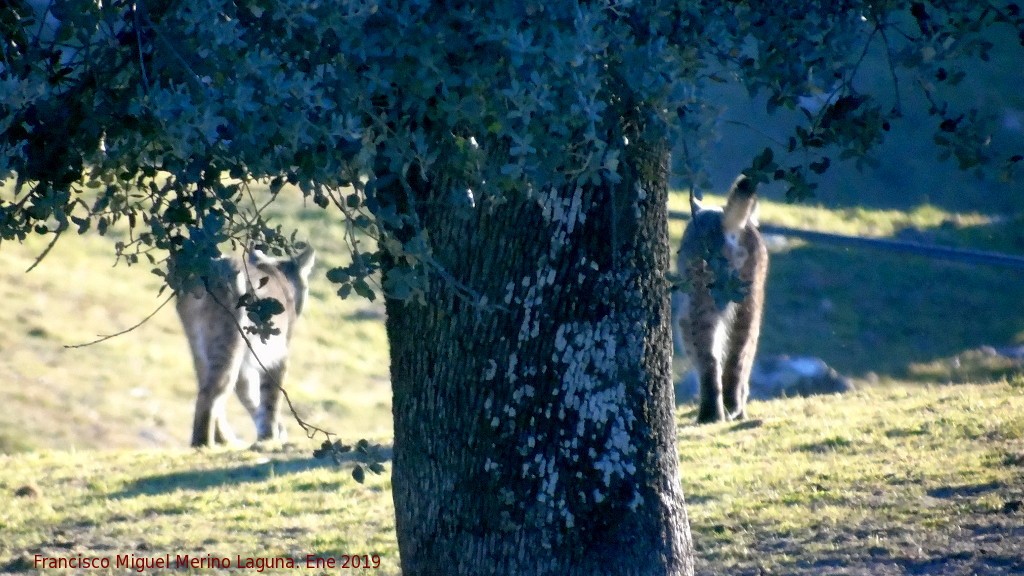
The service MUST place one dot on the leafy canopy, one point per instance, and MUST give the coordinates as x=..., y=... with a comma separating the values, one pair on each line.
x=164, y=113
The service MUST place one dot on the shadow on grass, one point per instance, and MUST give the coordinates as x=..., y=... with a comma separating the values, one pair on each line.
x=198, y=480
x=965, y=491
x=217, y=477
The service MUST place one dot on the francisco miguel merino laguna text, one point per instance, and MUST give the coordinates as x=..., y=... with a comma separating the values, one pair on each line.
x=259, y=564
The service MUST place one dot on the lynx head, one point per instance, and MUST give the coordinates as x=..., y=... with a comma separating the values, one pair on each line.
x=294, y=271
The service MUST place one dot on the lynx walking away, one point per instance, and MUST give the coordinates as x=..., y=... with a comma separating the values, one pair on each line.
x=723, y=262
x=226, y=354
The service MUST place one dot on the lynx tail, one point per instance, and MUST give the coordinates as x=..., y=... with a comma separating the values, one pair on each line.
x=741, y=206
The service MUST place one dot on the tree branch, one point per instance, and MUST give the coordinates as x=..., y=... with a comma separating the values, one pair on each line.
x=126, y=330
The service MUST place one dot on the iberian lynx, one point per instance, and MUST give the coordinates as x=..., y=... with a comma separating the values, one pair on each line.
x=723, y=263
x=228, y=356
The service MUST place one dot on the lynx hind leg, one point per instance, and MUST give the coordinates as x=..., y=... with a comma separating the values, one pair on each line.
x=709, y=371
x=745, y=329
x=739, y=350
x=247, y=389
x=222, y=431
x=258, y=391
x=269, y=424
x=203, y=427
x=210, y=425
x=702, y=339
x=736, y=370
x=220, y=370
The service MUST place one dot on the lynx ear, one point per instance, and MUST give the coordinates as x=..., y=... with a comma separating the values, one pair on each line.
x=257, y=256
x=695, y=205
x=305, y=260
x=741, y=206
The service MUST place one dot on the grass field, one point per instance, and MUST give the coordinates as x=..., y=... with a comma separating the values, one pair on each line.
x=919, y=472
x=903, y=479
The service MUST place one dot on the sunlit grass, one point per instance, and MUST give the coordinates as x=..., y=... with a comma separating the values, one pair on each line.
x=854, y=476
x=221, y=503
x=857, y=221
x=891, y=472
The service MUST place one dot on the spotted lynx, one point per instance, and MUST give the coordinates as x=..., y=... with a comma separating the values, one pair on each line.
x=227, y=356
x=723, y=263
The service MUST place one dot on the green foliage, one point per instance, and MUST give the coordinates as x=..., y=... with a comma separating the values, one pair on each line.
x=368, y=456
x=826, y=61
x=165, y=114
x=261, y=312
x=724, y=282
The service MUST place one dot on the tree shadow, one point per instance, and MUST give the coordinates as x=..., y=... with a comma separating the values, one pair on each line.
x=201, y=480
x=965, y=490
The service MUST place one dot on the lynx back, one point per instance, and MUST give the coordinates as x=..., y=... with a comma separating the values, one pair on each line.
x=723, y=262
x=227, y=356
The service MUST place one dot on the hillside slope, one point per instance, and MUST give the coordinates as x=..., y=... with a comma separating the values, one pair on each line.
x=869, y=314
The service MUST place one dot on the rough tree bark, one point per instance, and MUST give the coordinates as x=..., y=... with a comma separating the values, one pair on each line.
x=534, y=434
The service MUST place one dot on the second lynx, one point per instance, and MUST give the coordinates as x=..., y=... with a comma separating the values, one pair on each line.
x=723, y=262
x=227, y=357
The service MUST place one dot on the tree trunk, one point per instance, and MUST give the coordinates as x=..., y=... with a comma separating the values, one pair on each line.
x=534, y=431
